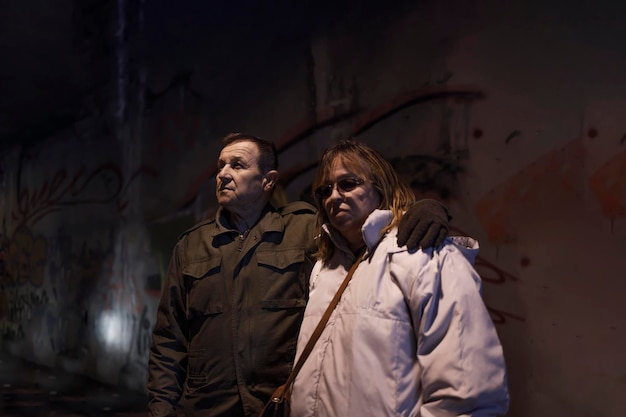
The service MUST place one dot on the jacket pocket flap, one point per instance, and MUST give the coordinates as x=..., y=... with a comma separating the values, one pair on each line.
x=280, y=259
x=201, y=268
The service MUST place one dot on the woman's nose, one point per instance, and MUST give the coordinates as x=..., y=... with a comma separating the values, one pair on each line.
x=335, y=195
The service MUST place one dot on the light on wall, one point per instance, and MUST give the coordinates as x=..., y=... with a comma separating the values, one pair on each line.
x=111, y=330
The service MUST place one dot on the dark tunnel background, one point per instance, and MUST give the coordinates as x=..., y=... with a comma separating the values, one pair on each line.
x=111, y=114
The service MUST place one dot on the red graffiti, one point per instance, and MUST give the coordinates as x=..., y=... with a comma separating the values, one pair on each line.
x=499, y=316
x=393, y=106
x=554, y=177
x=490, y=273
x=608, y=185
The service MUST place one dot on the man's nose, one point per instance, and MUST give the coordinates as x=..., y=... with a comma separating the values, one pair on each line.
x=224, y=173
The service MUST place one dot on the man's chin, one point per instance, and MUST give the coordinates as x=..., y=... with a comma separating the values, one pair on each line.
x=223, y=199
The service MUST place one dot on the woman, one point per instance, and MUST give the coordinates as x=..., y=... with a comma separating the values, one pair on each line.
x=410, y=335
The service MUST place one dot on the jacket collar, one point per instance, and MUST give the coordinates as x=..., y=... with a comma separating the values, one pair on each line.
x=269, y=221
x=371, y=230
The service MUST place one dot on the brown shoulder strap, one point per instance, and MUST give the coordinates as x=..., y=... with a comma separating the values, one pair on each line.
x=321, y=325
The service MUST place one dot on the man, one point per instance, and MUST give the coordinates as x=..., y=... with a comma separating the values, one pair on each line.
x=236, y=288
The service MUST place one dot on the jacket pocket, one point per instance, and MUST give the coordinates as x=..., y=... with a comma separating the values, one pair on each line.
x=205, y=288
x=282, y=277
x=208, y=371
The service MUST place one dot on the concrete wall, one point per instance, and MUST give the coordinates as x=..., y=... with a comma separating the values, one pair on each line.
x=512, y=113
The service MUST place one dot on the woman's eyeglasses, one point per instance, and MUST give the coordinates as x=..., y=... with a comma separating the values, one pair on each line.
x=343, y=186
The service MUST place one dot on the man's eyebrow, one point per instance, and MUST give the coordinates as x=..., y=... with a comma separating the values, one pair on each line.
x=233, y=160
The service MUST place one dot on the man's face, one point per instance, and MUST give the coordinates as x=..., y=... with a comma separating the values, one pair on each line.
x=240, y=181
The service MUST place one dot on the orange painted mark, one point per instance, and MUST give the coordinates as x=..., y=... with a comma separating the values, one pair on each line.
x=608, y=185
x=555, y=178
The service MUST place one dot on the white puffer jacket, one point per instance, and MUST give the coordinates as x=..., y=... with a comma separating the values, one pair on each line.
x=411, y=335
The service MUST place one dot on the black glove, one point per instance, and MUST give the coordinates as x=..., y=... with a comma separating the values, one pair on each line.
x=424, y=225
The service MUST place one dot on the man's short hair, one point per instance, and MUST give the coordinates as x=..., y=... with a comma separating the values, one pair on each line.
x=268, y=156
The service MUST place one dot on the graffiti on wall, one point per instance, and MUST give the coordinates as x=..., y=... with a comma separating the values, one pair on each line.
x=608, y=184
x=23, y=255
x=103, y=185
x=555, y=177
x=128, y=325
x=491, y=274
x=24, y=259
x=48, y=282
x=135, y=365
x=20, y=306
x=22, y=298
x=74, y=269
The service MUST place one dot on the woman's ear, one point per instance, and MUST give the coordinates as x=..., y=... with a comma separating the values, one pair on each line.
x=270, y=179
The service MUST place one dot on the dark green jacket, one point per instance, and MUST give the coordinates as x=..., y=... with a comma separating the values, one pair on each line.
x=229, y=314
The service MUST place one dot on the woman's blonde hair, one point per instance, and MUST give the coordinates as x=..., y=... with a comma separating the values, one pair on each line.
x=395, y=194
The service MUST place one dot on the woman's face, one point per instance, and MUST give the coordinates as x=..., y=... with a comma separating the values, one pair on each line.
x=348, y=208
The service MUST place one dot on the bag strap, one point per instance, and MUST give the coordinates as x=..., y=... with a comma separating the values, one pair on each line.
x=320, y=326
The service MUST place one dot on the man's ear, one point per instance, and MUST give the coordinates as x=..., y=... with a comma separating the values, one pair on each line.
x=270, y=179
